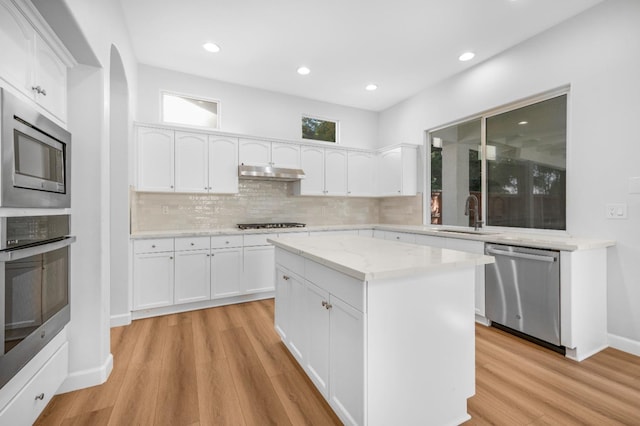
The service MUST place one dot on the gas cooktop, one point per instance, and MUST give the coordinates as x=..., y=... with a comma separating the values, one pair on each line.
x=276, y=225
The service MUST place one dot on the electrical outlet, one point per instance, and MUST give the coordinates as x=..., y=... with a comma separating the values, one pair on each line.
x=616, y=211
x=165, y=209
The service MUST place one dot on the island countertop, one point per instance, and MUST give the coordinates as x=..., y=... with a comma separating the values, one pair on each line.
x=368, y=258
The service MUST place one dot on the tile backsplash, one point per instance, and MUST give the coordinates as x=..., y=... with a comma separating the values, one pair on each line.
x=264, y=201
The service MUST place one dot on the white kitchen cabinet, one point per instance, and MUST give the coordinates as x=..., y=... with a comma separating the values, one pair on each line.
x=226, y=272
x=478, y=248
x=318, y=343
x=191, y=162
x=282, y=303
x=192, y=276
x=297, y=335
x=312, y=163
x=360, y=174
x=35, y=69
x=155, y=149
x=258, y=275
x=50, y=75
x=223, y=165
x=153, y=280
x=346, y=361
x=205, y=163
x=397, y=171
x=429, y=240
x=264, y=153
x=335, y=175
x=285, y=155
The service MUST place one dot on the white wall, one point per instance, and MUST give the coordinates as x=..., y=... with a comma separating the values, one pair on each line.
x=597, y=54
x=102, y=24
x=250, y=111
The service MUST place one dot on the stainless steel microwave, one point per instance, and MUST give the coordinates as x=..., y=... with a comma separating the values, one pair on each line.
x=35, y=158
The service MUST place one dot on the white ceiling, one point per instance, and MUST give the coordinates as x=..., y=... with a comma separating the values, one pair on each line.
x=403, y=46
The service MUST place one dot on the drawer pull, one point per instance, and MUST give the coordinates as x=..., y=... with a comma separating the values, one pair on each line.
x=192, y=244
x=153, y=246
x=326, y=304
x=226, y=242
x=40, y=397
x=286, y=278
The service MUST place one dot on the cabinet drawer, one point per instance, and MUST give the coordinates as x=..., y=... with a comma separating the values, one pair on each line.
x=400, y=236
x=192, y=243
x=292, y=262
x=338, y=284
x=154, y=245
x=222, y=241
x=27, y=405
x=258, y=239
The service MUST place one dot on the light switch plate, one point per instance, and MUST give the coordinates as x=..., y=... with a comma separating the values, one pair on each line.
x=616, y=211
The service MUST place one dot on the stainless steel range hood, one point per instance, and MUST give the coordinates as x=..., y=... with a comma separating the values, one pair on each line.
x=269, y=173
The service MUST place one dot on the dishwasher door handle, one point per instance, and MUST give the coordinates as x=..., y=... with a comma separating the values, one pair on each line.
x=519, y=255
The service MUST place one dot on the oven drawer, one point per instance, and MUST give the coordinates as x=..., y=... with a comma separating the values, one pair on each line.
x=27, y=405
x=153, y=245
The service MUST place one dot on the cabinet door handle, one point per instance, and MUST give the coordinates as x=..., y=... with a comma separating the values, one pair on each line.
x=170, y=257
x=153, y=246
x=286, y=278
x=40, y=396
x=324, y=303
x=192, y=244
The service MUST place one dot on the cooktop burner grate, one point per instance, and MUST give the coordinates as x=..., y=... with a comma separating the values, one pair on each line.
x=277, y=225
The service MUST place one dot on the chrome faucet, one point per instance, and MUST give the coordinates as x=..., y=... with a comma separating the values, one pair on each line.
x=477, y=224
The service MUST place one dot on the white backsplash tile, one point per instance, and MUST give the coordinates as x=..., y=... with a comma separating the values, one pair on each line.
x=264, y=201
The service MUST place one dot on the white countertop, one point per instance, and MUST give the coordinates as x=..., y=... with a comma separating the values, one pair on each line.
x=551, y=241
x=369, y=259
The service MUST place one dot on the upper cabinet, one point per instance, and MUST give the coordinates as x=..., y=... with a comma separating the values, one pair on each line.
x=177, y=161
x=360, y=174
x=335, y=172
x=264, y=153
x=397, y=171
x=155, y=150
x=325, y=172
x=39, y=61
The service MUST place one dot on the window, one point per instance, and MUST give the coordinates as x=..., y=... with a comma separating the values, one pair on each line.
x=318, y=129
x=190, y=111
x=522, y=181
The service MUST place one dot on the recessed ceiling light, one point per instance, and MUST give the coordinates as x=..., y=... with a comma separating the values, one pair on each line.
x=303, y=70
x=522, y=123
x=211, y=47
x=371, y=87
x=466, y=56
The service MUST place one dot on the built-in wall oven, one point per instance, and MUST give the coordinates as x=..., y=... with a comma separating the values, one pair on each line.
x=34, y=286
x=34, y=157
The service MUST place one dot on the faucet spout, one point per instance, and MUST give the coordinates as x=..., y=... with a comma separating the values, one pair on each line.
x=477, y=224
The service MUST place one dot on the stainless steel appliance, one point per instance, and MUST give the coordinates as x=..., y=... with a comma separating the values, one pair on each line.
x=269, y=173
x=35, y=157
x=522, y=290
x=273, y=225
x=34, y=286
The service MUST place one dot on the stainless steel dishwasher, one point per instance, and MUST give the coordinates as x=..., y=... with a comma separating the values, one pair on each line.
x=522, y=290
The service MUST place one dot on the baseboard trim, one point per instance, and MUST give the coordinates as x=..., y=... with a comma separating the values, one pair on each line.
x=624, y=344
x=87, y=378
x=120, y=320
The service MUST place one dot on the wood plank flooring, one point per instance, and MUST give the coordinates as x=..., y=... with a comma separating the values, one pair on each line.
x=227, y=366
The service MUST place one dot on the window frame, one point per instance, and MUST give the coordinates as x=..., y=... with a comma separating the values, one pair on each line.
x=194, y=97
x=483, y=116
x=316, y=117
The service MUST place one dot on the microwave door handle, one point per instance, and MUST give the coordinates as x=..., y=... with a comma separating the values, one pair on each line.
x=8, y=256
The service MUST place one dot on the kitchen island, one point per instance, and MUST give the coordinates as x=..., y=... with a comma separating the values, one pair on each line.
x=384, y=329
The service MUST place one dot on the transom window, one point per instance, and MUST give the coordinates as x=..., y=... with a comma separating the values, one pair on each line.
x=319, y=129
x=190, y=111
x=513, y=162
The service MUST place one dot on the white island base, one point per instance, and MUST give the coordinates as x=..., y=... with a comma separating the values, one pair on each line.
x=385, y=330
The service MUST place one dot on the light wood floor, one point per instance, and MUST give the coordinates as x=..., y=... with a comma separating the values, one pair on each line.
x=226, y=366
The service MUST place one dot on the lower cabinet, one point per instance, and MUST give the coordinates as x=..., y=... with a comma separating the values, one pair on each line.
x=326, y=336
x=226, y=272
x=258, y=269
x=153, y=280
x=192, y=276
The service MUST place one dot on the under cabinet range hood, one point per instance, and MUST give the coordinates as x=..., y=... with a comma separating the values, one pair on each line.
x=269, y=173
